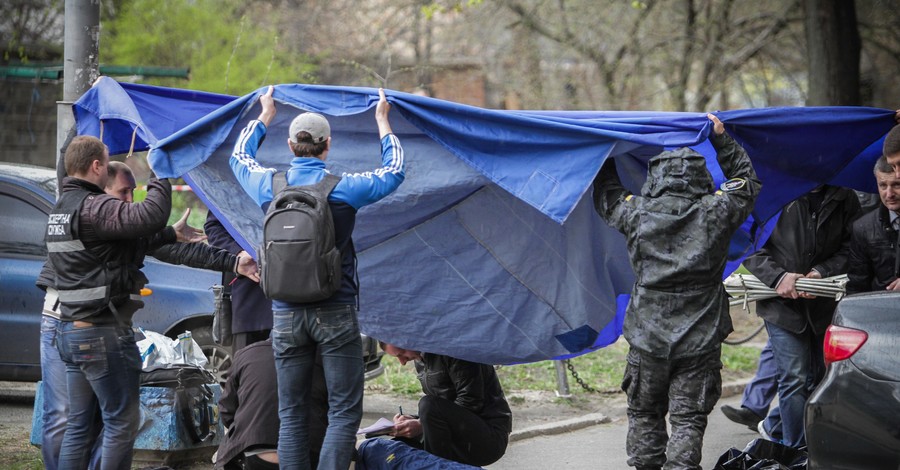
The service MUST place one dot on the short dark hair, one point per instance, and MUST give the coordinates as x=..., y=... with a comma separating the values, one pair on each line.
x=113, y=170
x=305, y=147
x=892, y=142
x=81, y=153
x=882, y=165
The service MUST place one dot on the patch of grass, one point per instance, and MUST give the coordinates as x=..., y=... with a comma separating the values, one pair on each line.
x=601, y=370
x=396, y=378
x=16, y=453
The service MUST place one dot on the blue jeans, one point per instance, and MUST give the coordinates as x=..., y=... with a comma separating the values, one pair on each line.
x=103, y=368
x=760, y=392
x=295, y=336
x=799, y=360
x=54, y=392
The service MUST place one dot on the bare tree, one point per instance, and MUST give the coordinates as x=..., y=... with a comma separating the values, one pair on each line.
x=31, y=30
x=691, y=47
x=833, y=47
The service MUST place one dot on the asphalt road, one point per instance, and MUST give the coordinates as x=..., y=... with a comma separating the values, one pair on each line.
x=602, y=447
x=596, y=447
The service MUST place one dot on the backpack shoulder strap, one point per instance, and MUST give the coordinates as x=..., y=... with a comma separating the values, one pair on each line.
x=279, y=182
x=328, y=183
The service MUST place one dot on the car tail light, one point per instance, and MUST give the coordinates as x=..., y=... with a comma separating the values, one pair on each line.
x=842, y=342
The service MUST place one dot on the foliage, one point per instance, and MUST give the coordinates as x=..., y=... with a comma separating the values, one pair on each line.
x=180, y=202
x=227, y=52
x=434, y=7
x=31, y=30
x=602, y=370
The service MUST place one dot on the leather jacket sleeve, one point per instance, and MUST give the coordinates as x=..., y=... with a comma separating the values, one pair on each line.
x=113, y=219
x=466, y=377
x=859, y=271
x=837, y=263
x=196, y=255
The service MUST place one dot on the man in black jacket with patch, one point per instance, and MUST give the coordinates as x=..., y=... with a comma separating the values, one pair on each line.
x=874, y=247
x=463, y=416
x=811, y=239
x=96, y=244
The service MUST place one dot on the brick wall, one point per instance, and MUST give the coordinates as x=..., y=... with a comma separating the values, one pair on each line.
x=28, y=121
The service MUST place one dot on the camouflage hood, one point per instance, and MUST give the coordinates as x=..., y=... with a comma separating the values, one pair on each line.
x=680, y=172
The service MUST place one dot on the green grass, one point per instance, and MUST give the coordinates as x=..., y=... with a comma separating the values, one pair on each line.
x=601, y=370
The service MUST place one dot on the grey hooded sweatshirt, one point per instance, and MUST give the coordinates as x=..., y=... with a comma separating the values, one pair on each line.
x=678, y=232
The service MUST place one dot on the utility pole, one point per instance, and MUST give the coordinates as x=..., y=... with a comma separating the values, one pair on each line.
x=81, y=64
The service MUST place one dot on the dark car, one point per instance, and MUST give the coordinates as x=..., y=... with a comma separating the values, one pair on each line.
x=179, y=297
x=853, y=417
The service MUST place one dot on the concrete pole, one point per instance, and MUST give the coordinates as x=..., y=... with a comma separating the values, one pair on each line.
x=81, y=63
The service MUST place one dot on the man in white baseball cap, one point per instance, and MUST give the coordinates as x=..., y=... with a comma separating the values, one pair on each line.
x=330, y=324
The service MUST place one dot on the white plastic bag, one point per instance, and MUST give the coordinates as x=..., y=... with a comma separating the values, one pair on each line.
x=160, y=351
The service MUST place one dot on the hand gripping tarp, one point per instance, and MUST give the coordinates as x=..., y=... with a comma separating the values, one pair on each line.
x=490, y=250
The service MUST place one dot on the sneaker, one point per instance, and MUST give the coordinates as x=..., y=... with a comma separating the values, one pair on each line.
x=742, y=416
x=761, y=427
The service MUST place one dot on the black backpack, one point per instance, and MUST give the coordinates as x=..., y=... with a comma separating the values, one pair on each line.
x=193, y=397
x=298, y=259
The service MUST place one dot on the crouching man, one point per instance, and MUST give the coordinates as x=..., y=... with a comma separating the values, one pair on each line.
x=463, y=416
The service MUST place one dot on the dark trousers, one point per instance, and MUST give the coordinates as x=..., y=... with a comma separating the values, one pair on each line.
x=686, y=389
x=455, y=433
x=255, y=463
x=241, y=340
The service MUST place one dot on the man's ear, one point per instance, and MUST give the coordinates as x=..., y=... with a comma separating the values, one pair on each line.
x=96, y=166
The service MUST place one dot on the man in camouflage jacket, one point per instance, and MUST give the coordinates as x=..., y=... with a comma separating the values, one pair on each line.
x=677, y=233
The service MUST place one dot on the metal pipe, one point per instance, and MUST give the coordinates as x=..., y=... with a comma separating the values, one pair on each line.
x=562, y=380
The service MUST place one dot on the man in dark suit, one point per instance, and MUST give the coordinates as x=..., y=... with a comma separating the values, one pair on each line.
x=251, y=318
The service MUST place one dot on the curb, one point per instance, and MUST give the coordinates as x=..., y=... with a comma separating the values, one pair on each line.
x=559, y=427
x=736, y=387
x=729, y=389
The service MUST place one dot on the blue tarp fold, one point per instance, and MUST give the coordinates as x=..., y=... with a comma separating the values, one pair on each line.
x=490, y=250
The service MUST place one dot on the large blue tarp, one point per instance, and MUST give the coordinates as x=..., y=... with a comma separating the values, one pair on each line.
x=490, y=250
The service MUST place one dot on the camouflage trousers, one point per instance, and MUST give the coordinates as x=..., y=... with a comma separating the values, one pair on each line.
x=687, y=389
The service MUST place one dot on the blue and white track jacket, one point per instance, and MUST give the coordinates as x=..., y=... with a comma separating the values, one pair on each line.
x=354, y=191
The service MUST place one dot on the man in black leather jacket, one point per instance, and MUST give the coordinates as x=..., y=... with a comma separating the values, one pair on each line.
x=120, y=184
x=463, y=416
x=874, y=247
x=811, y=239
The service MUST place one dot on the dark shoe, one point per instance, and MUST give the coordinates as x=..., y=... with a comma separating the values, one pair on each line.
x=742, y=416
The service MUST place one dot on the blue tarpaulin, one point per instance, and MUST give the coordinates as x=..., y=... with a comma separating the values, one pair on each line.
x=490, y=250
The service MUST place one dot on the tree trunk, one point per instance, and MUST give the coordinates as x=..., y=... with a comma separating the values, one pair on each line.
x=833, y=50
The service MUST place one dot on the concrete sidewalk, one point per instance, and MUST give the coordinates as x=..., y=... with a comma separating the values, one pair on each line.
x=524, y=426
x=729, y=389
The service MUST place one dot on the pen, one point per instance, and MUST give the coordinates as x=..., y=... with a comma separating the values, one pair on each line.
x=401, y=410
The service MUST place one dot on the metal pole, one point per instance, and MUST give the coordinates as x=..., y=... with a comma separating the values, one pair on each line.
x=81, y=59
x=562, y=380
